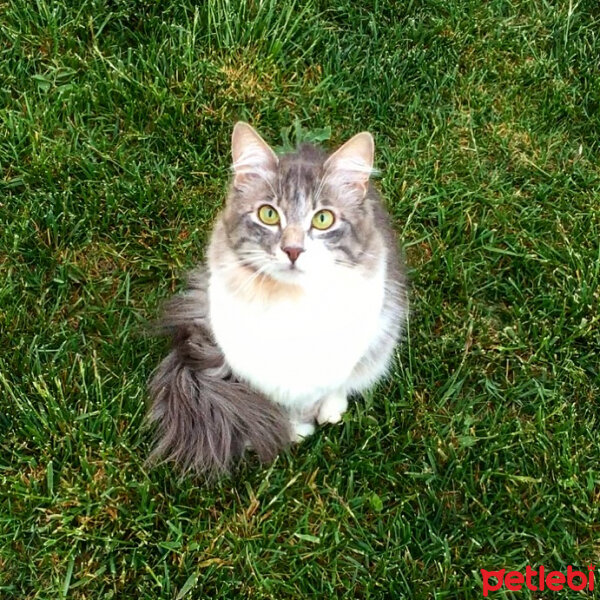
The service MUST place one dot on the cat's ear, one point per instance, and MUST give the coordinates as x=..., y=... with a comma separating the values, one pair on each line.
x=251, y=155
x=352, y=164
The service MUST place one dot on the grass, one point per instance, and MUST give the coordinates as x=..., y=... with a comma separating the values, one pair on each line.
x=482, y=448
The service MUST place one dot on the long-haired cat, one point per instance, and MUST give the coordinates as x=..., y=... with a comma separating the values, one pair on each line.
x=300, y=304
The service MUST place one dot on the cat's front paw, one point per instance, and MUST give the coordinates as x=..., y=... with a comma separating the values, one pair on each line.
x=300, y=431
x=332, y=408
x=329, y=417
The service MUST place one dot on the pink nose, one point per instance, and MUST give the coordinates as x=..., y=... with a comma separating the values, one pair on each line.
x=293, y=252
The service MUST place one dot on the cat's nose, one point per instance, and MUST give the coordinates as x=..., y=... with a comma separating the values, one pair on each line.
x=293, y=252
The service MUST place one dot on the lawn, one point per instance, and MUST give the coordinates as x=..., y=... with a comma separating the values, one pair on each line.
x=481, y=450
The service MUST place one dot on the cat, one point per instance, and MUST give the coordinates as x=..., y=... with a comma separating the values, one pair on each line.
x=301, y=303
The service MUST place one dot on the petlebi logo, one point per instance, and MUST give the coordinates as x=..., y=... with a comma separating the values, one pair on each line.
x=538, y=580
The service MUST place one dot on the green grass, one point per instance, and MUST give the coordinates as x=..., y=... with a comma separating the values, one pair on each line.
x=482, y=448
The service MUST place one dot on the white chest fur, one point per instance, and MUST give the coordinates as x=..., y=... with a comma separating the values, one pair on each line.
x=298, y=348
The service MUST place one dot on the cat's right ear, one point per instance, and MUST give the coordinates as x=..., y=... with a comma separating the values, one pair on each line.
x=251, y=155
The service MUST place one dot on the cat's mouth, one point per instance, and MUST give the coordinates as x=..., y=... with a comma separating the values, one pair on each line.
x=280, y=271
x=287, y=272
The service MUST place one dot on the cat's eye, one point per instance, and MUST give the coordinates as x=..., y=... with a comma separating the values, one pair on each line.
x=323, y=219
x=268, y=215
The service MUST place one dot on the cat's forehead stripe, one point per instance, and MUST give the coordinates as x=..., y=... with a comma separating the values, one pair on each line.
x=297, y=182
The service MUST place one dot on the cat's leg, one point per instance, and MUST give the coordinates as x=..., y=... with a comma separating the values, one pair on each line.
x=301, y=430
x=332, y=408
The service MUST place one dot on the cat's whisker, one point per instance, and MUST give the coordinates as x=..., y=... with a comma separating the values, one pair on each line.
x=317, y=194
x=259, y=279
x=250, y=279
x=241, y=262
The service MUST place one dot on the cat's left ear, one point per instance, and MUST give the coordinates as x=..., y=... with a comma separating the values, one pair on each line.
x=251, y=155
x=352, y=164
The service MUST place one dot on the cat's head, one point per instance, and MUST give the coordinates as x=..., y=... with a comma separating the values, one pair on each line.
x=301, y=214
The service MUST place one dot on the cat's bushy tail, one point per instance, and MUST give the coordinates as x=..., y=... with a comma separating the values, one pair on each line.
x=203, y=417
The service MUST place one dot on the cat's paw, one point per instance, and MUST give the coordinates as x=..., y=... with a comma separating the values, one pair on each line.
x=300, y=431
x=326, y=416
x=332, y=408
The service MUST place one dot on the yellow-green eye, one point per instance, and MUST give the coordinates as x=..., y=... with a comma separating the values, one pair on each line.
x=268, y=215
x=324, y=219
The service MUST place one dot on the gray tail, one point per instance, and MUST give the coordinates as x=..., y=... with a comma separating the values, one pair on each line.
x=204, y=418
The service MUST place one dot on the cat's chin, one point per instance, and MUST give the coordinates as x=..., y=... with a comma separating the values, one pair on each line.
x=288, y=274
